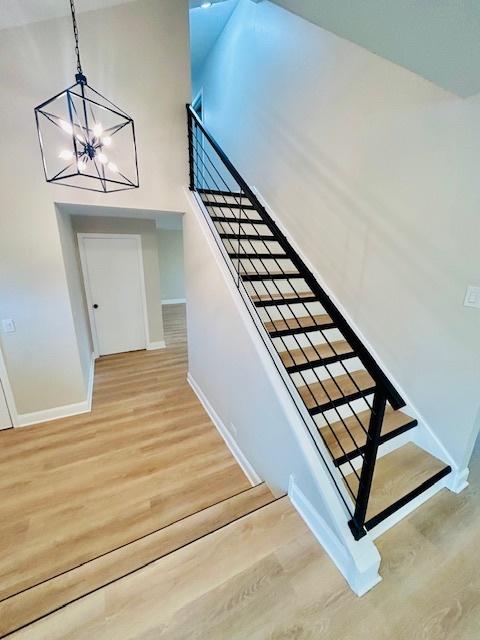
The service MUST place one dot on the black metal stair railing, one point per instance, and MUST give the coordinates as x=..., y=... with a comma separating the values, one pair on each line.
x=259, y=254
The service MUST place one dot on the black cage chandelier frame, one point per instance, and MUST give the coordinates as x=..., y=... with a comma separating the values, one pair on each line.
x=88, y=126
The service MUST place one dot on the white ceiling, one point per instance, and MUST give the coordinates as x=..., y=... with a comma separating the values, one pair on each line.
x=14, y=13
x=205, y=27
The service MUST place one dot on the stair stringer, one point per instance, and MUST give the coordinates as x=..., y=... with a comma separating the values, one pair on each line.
x=423, y=435
x=293, y=450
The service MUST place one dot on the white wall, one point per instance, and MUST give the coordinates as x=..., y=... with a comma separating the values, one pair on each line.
x=170, y=255
x=76, y=290
x=374, y=172
x=137, y=55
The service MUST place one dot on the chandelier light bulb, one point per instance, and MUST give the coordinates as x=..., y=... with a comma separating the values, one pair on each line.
x=102, y=158
x=97, y=130
x=113, y=167
x=80, y=138
x=107, y=141
x=66, y=154
x=66, y=126
x=82, y=165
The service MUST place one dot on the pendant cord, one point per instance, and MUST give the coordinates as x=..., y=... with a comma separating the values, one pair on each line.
x=75, y=34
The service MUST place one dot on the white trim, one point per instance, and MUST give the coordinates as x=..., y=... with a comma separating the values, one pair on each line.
x=153, y=346
x=457, y=480
x=235, y=450
x=8, y=392
x=199, y=98
x=174, y=301
x=91, y=378
x=360, y=582
x=83, y=261
x=77, y=408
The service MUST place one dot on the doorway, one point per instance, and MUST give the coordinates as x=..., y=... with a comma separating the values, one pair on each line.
x=112, y=267
x=197, y=104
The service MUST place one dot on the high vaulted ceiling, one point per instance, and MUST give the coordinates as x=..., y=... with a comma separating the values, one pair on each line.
x=205, y=27
x=14, y=13
x=438, y=39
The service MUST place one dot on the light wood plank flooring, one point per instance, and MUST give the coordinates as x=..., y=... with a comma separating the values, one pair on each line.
x=146, y=456
x=265, y=578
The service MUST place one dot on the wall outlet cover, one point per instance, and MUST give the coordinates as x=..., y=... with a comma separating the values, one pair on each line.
x=472, y=297
x=8, y=325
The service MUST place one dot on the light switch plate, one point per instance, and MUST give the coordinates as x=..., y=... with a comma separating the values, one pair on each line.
x=472, y=297
x=8, y=325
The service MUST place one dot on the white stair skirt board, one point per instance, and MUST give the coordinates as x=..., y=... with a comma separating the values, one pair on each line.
x=359, y=582
x=235, y=450
x=457, y=481
x=175, y=301
x=152, y=346
x=36, y=417
x=361, y=555
x=278, y=376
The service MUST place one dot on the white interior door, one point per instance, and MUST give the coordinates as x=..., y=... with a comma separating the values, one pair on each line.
x=5, y=420
x=114, y=284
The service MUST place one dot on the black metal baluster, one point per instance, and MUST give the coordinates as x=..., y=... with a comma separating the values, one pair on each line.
x=368, y=468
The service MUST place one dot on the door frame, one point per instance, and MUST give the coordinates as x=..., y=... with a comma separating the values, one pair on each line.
x=7, y=392
x=81, y=237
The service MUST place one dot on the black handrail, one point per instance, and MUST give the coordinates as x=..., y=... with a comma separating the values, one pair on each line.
x=209, y=181
x=375, y=371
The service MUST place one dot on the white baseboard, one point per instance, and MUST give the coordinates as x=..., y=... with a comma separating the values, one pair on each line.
x=152, y=346
x=359, y=582
x=175, y=301
x=457, y=481
x=36, y=417
x=235, y=450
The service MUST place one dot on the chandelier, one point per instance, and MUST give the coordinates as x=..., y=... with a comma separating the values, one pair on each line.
x=86, y=141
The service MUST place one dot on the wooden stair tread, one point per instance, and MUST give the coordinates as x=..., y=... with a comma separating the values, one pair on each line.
x=246, y=237
x=230, y=220
x=270, y=275
x=393, y=421
x=396, y=475
x=282, y=296
x=295, y=324
x=315, y=353
x=50, y=595
x=227, y=205
x=335, y=391
x=257, y=256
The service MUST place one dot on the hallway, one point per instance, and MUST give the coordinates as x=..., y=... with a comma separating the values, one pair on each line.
x=145, y=457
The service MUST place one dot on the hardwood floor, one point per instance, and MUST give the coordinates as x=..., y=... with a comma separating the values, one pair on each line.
x=146, y=456
x=264, y=577
x=75, y=485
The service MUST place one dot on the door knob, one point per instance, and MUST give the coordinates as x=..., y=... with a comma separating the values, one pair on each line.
x=95, y=306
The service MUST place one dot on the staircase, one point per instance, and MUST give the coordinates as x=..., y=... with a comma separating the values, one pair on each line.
x=348, y=401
